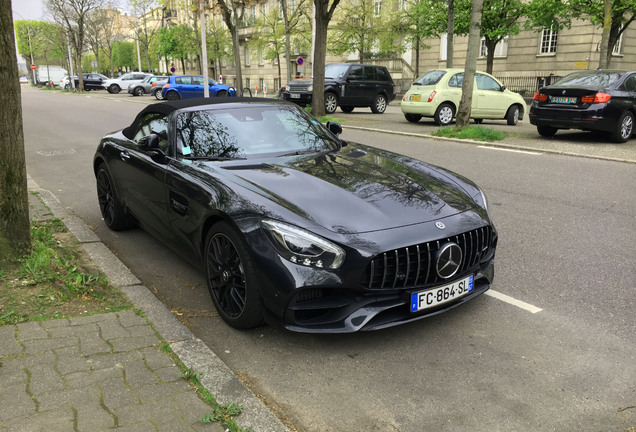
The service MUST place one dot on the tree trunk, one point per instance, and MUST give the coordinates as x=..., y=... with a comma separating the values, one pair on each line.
x=604, y=55
x=450, y=32
x=463, y=112
x=320, y=54
x=490, y=55
x=15, y=235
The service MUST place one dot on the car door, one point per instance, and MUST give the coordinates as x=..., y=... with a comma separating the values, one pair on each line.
x=353, y=91
x=141, y=173
x=492, y=102
x=454, y=93
x=183, y=85
x=197, y=87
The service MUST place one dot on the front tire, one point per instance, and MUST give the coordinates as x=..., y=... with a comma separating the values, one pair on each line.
x=221, y=93
x=413, y=118
x=173, y=95
x=158, y=94
x=113, y=89
x=114, y=213
x=331, y=103
x=231, y=278
x=346, y=109
x=444, y=114
x=379, y=104
x=624, y=128
x=513, y=114
x=138, y=91
x=546, y=131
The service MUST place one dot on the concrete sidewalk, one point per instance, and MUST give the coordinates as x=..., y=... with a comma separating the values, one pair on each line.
x=107, y=371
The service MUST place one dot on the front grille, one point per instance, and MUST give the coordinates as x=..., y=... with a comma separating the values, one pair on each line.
x=414, y=266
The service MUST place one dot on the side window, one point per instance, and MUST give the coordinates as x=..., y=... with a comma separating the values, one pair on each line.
x=630, y=84
x=369, y=74
x=197, y=80
x=456, y=80
x=486, y=83
x=356, y=73
x=183, y=80
x=126, y=78
x=157, y=124
x=382, y=74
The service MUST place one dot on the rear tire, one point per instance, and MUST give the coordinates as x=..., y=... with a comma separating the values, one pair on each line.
x=113, y=211
x=139, y=91
x=158, y=94
x=231, y=277
x=113, y=89
x=413, y=118
x=346, y=109
x=444, y=114
x=624, y=128
x=546, y=131
x=379, y=104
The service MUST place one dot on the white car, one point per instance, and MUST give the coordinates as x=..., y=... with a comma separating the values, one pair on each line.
x=114, y=85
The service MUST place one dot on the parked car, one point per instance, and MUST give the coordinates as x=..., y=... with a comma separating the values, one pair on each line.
x=24, y=79
x=347, y=86
x=191, y=86
x=290, y=223
x=601, y=101
x=114, y=85
x=437, y=94
x=147, y=86
x=49, y=74
x=92, y=81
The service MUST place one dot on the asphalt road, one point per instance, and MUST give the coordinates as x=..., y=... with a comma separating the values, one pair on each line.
x=567, y=247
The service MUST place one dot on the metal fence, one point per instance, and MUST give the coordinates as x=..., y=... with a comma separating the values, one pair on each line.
x=526, y=85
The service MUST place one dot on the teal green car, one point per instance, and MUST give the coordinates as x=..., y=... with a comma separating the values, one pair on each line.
x=437, y=94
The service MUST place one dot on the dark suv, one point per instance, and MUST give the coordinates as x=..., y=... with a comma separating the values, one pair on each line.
x=347, y=86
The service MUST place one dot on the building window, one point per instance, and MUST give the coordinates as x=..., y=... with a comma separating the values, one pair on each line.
x=261, y=84
x=263, y=10
x=261, y=58
x=247, y=82
x=247, y=56
x=276, y=84
x=618, y=46
x=501, y=49
x=548, y=41
x=377, y=7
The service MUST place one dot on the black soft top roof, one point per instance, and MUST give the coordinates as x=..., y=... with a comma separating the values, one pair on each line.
x=168, y=107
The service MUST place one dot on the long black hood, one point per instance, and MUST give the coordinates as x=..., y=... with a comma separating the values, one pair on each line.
x=355, y=190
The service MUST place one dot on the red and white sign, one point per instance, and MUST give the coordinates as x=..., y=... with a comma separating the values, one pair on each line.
x=33, y=67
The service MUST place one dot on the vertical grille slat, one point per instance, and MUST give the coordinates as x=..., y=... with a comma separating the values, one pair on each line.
x=414, y=266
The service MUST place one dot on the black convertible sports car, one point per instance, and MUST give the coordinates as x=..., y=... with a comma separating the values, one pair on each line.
x=292, y=224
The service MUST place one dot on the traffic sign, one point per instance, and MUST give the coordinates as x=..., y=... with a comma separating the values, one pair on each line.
x=300, y=61
x=33, y=66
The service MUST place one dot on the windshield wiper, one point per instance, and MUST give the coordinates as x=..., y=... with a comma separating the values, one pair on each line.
x=213, y=158
x=299, y=152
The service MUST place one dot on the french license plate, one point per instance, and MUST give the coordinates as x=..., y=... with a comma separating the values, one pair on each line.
x=444, y=294
x=563, y=99
x=415, y=97
x=294, y=95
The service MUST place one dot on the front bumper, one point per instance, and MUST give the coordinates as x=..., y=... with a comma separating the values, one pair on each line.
x=298, y=98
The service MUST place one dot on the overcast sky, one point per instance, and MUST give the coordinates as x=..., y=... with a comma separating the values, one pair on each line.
x=28, y=9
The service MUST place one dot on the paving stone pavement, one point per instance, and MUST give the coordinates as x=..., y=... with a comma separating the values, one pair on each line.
x=107, y=372
x=93, y=373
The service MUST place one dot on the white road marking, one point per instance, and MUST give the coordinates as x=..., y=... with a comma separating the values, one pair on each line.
x=509, y=150
x=520, y=304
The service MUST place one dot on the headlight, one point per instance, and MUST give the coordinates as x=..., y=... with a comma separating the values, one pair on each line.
x=310, y=88
x=302, y=247
x=481, y=200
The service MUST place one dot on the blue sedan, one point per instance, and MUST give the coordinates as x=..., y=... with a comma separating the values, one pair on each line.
x=191, y=86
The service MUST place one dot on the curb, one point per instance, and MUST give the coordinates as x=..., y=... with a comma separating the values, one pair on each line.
x=216, y=377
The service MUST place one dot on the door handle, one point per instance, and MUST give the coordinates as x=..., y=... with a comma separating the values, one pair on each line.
x=124, y=156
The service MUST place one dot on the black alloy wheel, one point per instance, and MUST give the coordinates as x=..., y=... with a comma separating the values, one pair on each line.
x=113, y=212
x=231, y=278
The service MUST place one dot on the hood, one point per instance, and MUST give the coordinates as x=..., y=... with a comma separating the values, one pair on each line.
x=356, y=190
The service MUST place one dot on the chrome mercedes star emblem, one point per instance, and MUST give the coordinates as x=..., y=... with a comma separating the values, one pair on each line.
x=440, y=225
x=449, y=259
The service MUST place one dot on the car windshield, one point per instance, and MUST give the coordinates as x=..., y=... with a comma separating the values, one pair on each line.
x=587, y=79
x=335, y=71
x=249, y=132
x=430, y=77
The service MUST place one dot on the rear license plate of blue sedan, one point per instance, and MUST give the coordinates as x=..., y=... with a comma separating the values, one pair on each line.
x=563, y=99
x=444, y=294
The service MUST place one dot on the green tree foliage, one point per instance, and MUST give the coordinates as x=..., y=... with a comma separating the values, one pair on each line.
x=124, y=55
x=219, y=43
x=177, y=43
x=556, y=15
x=355, y=28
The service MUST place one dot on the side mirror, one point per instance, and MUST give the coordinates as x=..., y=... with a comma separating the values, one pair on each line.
x=149, y=142
x=334, y=128
x=503, y=88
